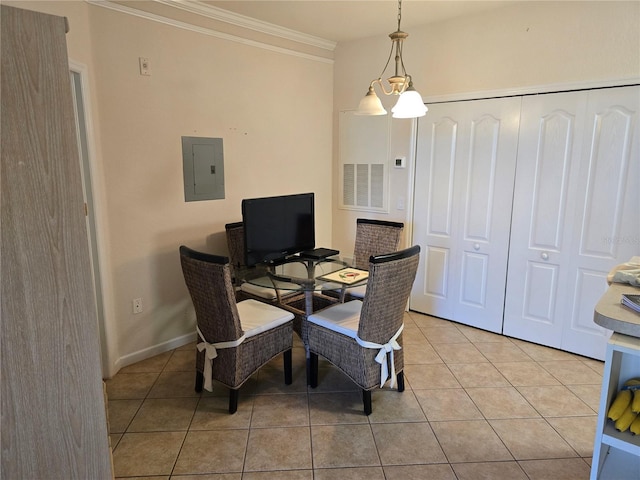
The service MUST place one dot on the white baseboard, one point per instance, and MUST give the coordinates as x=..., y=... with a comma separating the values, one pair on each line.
x=153, y=351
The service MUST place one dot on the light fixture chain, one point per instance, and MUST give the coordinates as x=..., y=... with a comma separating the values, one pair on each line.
x=399, y=13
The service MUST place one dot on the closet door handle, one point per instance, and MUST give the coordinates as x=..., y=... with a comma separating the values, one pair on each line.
x=476, y=246
x=544, y=256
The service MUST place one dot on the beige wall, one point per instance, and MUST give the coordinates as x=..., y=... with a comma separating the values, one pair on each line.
x=528, y=46
x=272, y=110
x=277, y=140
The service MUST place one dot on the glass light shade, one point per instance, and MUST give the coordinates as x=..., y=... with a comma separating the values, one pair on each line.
x=409, y=105
x=370, y=104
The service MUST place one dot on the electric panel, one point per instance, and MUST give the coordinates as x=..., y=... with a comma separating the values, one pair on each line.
x=203, y=168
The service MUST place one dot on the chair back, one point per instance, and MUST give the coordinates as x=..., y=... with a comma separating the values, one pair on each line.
x=375, y=237
x=391, y=277
x=235, y=243
x=208, y=279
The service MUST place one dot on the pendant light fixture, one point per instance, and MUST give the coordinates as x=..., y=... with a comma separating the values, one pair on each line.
x=410, y=104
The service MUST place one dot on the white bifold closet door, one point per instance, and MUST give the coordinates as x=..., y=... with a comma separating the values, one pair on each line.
x=466, y=159
x=576, y=213
x=522, y=207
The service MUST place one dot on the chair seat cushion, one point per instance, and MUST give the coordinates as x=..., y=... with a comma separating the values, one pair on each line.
x=342, y=318
x=257, y=317
x=357, y=292
x=269, y=293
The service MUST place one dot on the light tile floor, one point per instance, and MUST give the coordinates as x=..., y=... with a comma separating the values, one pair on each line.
x=476, y=406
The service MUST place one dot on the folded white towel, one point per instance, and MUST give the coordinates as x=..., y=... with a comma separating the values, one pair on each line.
x=632, y=277
x=632, y=265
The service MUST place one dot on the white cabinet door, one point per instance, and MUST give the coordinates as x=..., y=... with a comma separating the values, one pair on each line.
x=464, y=185
x=575, y=213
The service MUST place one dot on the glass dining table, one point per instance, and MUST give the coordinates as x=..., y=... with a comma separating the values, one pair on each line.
x=302, y=287
x=301, y=283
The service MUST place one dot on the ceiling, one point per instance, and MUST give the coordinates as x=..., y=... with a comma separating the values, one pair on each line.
x=341, y=21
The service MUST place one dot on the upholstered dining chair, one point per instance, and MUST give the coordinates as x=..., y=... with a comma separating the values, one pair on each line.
x=373, y=237
x=235, y=339
x=244, y=289
x=363, y=338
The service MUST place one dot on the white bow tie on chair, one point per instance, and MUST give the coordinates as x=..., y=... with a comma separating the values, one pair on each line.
x=210, y=352
x=381, y=357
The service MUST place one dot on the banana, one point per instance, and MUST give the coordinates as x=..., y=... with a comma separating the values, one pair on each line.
x=619, y=405
x=632, y=382
x=635, y=403
x=635, y=426
x=625, y=421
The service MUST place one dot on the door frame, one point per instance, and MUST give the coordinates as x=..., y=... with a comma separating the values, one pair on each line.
x=96, y=221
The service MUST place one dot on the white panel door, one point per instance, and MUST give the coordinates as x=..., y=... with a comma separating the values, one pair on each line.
x=434, y=216
x=608, y=218
x=575, y=214
x=464, y=184
x=543, y=204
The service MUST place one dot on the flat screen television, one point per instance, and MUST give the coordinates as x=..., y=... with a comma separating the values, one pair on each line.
x=276, y=227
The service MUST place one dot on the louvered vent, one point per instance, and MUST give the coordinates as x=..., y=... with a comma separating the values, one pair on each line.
x=363, y=185
x=364, y=153
x=377, y=186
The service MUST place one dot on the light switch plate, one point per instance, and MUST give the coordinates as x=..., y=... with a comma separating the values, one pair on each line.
x=145, y=66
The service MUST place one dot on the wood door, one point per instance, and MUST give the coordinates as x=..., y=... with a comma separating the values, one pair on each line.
x=575, y=214
x=464, y=185
x=53, y=409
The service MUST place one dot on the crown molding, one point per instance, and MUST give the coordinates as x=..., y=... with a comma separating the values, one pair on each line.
x=204, y=31
x=221, y=15
x=533, y=90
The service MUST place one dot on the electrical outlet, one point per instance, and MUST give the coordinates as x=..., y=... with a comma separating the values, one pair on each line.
x=137, y=305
